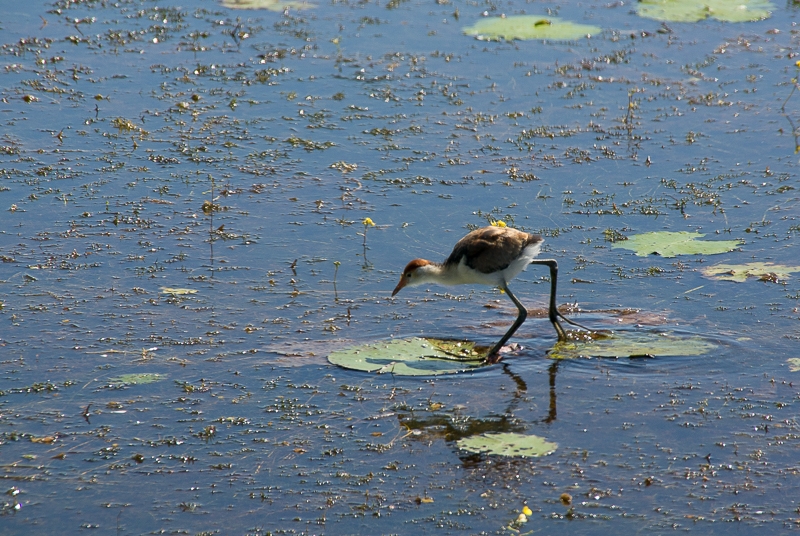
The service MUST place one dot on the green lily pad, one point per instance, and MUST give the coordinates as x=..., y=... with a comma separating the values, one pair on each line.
x=411, y=357
x=178, y=291
x=529, y=27
x=633, y=345
x=694, y=10
x=271, y=5
x=794, y=364
x=670, y=244
x=508, y=444
x=740, y=272
x=138, y=379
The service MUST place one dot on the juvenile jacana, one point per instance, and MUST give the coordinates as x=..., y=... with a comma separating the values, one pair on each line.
x=489, y=256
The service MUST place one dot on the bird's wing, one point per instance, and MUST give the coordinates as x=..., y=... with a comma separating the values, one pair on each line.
x=491, y=249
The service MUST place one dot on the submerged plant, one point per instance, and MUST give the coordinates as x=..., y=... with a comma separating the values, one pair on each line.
x=795, y=85
x=336, y=265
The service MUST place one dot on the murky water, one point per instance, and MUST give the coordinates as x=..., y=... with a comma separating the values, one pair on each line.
x=150, y=149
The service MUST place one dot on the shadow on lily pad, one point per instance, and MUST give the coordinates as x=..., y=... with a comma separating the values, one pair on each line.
x=412, y=357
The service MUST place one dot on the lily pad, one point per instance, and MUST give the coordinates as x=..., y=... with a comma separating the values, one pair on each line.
x=529, y=27
x=794, y=364
x=693, y=11
x=765, y=271
x=271, y=5
x=508, y=444
x=178, y=291
x=138, y=379
x=633, y=345
x=411, y=357
x=670, y=244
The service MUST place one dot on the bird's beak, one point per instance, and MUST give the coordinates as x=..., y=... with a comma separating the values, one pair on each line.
x=400, y=285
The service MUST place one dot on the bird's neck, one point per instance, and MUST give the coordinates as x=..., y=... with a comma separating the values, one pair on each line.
x=435, y=273
x=451, y=274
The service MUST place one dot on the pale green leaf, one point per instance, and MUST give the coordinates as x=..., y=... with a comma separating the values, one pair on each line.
x=138, y=379
x=740, y=272
x=693, y=10
x=178, y=291
x=411, y=357
x=508, y=444
x=626, y=344
x=529, y=27
x=794, y=364
x=271, y=5
x=670, y=244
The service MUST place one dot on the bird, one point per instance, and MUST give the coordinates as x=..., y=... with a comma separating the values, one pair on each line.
x=493, y=256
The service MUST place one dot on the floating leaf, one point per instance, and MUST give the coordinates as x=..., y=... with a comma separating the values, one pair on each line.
x=411, y=357
x=765, y=271
x=271, y=5
x=633, y=345
x=794, y=364
x=529, y=27
x=669, y=244
x=178, y=291
x=693, y=11
x=138, y=379
x=508, y=444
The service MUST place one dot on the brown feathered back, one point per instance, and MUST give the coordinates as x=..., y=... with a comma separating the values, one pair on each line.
x=491, y=249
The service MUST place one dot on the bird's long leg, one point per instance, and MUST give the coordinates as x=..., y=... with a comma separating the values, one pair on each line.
x=523, y=314
x=553, y=310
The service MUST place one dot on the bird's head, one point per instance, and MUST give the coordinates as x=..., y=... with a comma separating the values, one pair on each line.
x=413, y=274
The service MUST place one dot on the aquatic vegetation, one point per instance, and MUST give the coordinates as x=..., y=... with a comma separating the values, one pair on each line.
x=693, y=11
x=670, y=244
x=184, y=191
x=270, y=5
x=634, y=345
x=529, y=27
x=764, y=271
x=410, y=357
x=508, y=444
x=138, y=378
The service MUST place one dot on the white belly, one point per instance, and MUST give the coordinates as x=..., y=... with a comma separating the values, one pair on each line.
x=464, y=275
